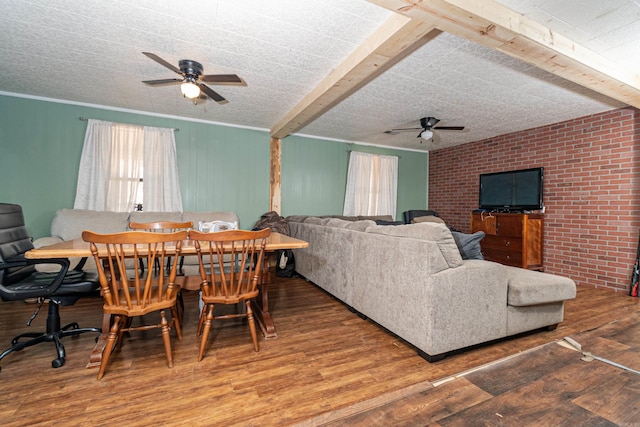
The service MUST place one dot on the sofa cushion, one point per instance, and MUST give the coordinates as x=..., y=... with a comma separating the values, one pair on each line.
x=383, y=222
x=361, y=225
x=437, y=233
x=343, y=217
x=297, y=218
x=317, y=220
x=427, y=218
x=337, y=223
x=144, y=217
x=68, y=224
x=527, y=287
x=376, y=217
x=469, y=244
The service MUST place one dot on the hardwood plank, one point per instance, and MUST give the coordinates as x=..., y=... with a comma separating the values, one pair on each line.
x=327, y=364
x=418, y=408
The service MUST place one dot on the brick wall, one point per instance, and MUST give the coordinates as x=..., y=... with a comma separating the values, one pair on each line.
x=591, y=190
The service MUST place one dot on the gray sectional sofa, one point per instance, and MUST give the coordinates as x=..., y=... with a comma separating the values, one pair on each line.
x=68, y=224
x=412, y=280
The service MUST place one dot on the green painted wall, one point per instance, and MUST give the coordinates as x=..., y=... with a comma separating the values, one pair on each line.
x=314, y=176
x=221, y=168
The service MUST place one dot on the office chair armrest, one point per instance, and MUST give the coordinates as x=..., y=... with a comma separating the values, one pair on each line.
x=56, y=278
x=21, y=261
x=81, y=264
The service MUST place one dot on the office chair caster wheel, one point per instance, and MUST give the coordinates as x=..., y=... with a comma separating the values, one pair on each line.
x=56, y=363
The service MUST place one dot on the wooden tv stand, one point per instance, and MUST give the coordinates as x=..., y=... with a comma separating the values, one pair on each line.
x=511, y=238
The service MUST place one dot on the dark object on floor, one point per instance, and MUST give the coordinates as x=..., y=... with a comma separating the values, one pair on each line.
x=285, y=263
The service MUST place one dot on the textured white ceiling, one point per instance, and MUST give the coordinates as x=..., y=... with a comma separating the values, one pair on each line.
x=89, y=51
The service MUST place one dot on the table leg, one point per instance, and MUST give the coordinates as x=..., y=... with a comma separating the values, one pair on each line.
x=260, y=305
x=95, y=359
x=261, y=313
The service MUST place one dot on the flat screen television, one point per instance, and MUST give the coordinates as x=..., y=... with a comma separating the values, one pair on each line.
x=517, y=190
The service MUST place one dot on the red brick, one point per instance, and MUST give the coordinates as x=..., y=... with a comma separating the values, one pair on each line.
x=591, y=194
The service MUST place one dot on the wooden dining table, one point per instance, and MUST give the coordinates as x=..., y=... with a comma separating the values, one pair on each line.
x=78, y=248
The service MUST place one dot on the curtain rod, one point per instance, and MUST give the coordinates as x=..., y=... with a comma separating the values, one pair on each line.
x=84, y=119
x=390, y=155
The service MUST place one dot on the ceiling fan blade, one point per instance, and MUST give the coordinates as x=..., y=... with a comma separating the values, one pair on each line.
x=400, y=130
x=212, y=94
x=162, y=82
x=163, y=62
x=449, y=128
x=224, y=79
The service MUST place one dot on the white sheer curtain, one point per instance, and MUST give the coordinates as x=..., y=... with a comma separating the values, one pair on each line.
x=372, y=185
x=126, y=167
x=116, y=157
x=95, y=169
x=161, y=181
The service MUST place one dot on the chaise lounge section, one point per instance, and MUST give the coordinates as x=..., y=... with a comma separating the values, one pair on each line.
x=412, y=280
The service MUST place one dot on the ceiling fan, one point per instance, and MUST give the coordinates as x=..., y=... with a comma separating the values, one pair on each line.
x=427, y=127
x=193, y=81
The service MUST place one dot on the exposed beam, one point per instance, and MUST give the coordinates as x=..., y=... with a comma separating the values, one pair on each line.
x=395, y=39
x=496, y=26
x=275, y=178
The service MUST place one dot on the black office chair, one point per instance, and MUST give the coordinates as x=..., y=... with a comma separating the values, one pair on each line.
x=19, y=280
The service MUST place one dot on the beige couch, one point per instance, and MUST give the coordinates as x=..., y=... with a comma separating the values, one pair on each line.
x=68, y=224
x=411, y=280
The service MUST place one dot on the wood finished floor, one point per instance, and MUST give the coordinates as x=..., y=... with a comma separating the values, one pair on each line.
x=327, y=367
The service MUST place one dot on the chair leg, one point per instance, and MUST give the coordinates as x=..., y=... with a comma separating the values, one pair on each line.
x=206, y=329
x=203, y=315
x=175, y=318
x=114, y=333
x=16, y=339
x=180, y=305
x=166, y=338
x=252, y=326
x=21, y=345
x=56, y=363
x=73, y=330
x=125, y=324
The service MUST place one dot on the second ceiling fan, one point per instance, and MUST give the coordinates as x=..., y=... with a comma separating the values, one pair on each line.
x=193, y=81
x=427, y=126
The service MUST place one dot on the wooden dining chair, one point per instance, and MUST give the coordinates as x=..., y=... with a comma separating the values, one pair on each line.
x=230, y=263
x=126, y=297
x=162, y=227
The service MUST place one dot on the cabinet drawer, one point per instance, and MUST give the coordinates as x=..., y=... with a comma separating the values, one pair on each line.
x=503, y=257
x=502, y=243
x=509, y=226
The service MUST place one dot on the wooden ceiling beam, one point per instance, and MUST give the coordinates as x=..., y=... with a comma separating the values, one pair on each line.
x=394, y=40
x=496, y=26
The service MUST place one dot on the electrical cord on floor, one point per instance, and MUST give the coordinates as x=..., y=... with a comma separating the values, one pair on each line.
x=588, y=357
x=35, y=313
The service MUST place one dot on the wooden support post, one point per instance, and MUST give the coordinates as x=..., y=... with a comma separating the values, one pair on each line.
x=275, y=175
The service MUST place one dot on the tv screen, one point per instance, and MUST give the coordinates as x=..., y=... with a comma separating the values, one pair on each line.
x=512, y=190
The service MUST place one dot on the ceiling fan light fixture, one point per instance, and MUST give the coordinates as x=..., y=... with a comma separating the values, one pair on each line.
x=190, y=90
x=426, y=134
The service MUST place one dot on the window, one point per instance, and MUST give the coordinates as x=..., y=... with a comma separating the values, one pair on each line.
x=124, y=167
x=372, y=185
